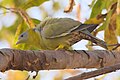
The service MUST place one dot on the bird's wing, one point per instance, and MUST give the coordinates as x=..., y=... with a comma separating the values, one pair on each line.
x=89, y=27
x=57, y=27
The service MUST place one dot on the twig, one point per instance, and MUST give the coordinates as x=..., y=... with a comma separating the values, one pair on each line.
x=11, y=9
x=23, y=14
x=95, y=73
x=69, y=8
x=110, y=45
x=118, y=45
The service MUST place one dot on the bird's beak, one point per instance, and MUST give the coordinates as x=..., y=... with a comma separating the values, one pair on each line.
x=18, y=42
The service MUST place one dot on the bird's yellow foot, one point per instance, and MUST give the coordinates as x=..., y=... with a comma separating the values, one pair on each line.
x=60, y=47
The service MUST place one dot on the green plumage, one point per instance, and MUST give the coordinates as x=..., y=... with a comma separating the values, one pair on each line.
x=52, y=33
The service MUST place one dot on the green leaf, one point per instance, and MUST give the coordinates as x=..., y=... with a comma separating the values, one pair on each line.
x=18, y=3
x=109, y=3
x=6, y=2
x=106, y=22
x=31, y=3
x=36, y=21
x=97, y=8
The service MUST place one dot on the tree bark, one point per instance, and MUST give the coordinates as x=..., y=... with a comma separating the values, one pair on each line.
x=47, y=59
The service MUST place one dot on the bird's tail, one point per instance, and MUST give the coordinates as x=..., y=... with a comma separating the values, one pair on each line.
x=85, y=34
x=93, y=39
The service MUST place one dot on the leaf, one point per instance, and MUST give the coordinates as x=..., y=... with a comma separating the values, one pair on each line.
x=18, y=3
x=110, y=31
x=109, y=3
x=118, y=18
x=96, y=20
x=56, y=6
x=110, y=27
x=31, y=3
x=92, y=4
x=106, y=22
x=97, y=8
x=24, y=4
x=70, y=6
x=35, y=21
x=6, y=2
x=118, y=25
x=17, y=75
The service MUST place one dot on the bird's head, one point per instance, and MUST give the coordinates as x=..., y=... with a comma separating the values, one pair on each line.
x=26, y=37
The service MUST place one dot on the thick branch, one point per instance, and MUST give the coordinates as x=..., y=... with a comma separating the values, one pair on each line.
x=61, y=59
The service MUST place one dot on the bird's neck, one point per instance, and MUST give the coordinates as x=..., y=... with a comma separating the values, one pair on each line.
x=38, y=42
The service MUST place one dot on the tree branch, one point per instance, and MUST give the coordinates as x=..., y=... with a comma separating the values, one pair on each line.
x=95, y=73
x=48, y=59
x=61, y=59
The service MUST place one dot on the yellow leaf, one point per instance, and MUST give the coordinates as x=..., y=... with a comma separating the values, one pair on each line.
x=96, y=20
x=17, y=75
x=110, y=30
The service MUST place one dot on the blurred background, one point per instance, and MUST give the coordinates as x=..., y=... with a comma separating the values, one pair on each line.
x=51, y=8
x=10, y=21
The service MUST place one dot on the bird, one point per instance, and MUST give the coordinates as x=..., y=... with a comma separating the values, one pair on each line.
x=59, y=33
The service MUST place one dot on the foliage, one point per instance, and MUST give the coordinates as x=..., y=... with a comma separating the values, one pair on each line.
x=110, y=22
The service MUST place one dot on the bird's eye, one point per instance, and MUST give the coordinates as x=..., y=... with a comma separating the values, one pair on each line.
x=21, y=35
